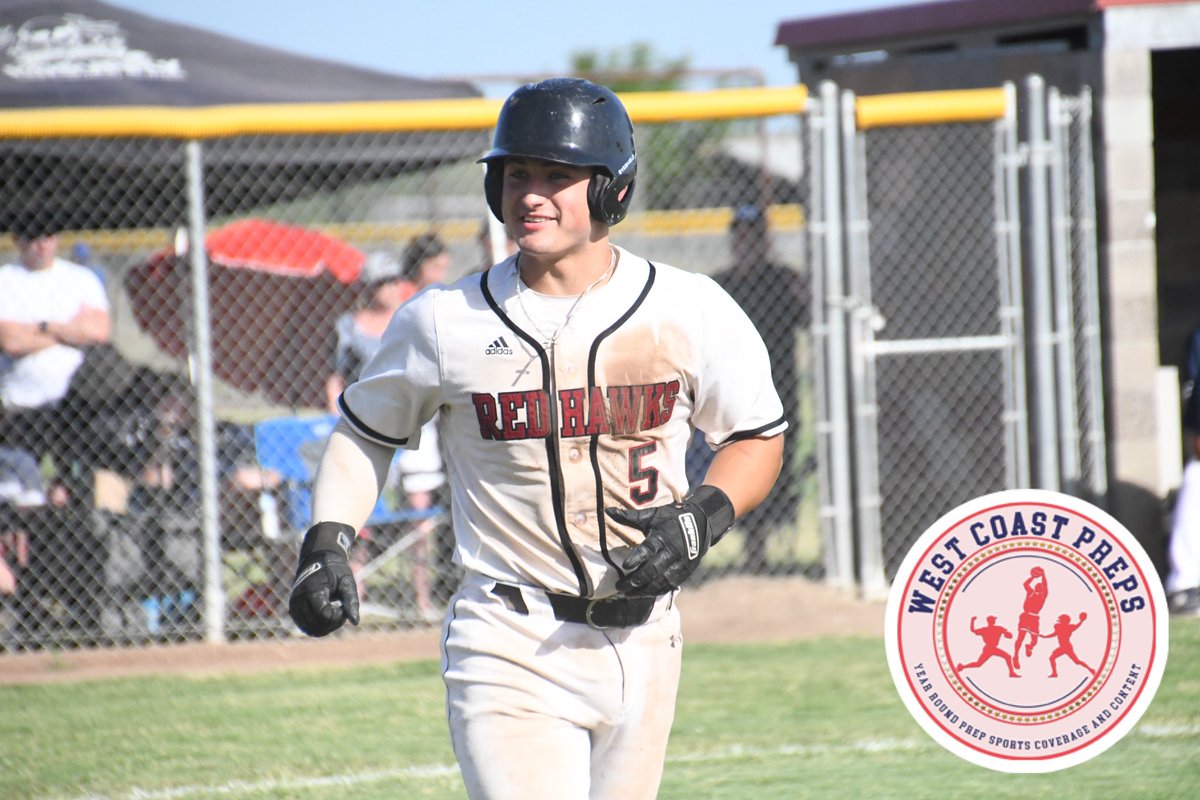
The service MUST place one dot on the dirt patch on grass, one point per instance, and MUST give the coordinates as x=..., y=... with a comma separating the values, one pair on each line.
x=729, y=610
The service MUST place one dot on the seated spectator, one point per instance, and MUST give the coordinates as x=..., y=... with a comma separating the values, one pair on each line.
x=357, y=332
x=152, y=447
x=20, y=491
x=51, y=310
x=20, y=480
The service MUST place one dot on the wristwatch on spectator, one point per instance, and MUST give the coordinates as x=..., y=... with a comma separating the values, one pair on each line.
x=44, y=326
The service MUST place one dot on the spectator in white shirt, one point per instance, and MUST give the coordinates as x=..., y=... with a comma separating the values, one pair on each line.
x=51, y=311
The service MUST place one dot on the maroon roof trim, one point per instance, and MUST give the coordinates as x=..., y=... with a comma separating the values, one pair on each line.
x=925, y=19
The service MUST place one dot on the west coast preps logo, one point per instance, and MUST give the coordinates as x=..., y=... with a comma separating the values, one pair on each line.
x=1026, y=631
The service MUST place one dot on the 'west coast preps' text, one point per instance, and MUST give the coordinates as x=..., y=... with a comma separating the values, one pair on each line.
x=1064, y=528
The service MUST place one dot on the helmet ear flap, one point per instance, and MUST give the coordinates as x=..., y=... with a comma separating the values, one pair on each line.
x=493, y=186
x=604, y=197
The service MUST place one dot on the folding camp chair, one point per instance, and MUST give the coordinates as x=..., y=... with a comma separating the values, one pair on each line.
x=292, y=447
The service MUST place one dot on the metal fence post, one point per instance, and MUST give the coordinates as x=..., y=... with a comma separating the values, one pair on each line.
x=1089, y=325
x=1012, y=314
x=817, y=229
x=1064, y=324
x=862, y=314
x=214, y=595
x=1039, y=216
x=834, y=301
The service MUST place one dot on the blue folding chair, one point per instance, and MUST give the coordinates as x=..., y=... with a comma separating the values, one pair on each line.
x=292, y=447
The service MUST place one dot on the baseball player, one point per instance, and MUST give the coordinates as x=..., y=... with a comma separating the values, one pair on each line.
x=567, y=379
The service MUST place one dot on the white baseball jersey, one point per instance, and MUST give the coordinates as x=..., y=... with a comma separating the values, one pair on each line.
x=542, y=435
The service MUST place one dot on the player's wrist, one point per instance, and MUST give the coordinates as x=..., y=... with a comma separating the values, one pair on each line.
x=717, y=509
x=335, y=537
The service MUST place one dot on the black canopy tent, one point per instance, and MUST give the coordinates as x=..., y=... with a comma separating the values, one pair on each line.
x=84, y=54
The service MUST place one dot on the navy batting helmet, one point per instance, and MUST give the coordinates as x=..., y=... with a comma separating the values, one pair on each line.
x=569, y=121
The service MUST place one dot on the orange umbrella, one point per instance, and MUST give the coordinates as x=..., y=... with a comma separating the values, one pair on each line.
x=275, y=291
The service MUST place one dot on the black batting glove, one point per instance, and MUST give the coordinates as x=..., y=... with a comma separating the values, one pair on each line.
x=324, y=594
x=677, y=537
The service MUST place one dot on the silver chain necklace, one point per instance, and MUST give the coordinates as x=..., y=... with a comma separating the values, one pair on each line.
x=553, y=338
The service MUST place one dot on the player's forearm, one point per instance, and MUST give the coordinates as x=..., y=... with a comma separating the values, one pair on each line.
x=746, y=470
x=349, y=478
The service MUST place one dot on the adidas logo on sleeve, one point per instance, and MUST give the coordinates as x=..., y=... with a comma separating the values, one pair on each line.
x=498, y=348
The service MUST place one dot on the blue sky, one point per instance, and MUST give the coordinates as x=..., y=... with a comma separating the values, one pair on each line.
x=439, y=38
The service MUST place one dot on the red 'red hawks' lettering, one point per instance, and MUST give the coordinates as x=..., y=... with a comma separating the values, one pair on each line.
x=597, y=413
x=485, y=412
x=618, y=410
x=537, y=414
x=574, y=410
x=624, y=406
x=512, y=415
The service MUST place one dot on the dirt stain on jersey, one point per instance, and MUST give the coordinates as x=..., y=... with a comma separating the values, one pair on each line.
x=645, y=353
x=635, y=464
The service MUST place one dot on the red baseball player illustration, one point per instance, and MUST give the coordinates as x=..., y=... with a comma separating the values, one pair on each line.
x=992, y=634
x=1063, y=630
x=1036, y=589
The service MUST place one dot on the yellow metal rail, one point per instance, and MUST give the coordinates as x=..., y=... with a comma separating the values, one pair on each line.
x=210, y=122
x=930, y=108
x=783, y=218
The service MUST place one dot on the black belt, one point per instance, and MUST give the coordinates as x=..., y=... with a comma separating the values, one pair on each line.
x=609, y=612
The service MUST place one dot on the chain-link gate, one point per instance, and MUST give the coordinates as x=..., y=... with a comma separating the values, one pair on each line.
x=934, y=329
x=948, y=250
x=161, y=497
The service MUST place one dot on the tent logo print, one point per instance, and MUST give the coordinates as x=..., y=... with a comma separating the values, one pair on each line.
x=75, y=47
x=498, y=348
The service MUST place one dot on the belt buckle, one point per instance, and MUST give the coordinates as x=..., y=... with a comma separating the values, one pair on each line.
x=587, y=615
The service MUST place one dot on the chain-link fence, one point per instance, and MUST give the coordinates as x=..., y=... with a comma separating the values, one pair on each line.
x=157, y=473
x=929, y=291
x=925, y=285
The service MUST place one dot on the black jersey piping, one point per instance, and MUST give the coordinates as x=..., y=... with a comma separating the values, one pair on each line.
x=750, y=434
x=594, y=445
x=363, y=427
x=554, y=466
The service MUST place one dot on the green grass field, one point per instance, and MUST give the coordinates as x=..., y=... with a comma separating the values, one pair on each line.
x=816, y=719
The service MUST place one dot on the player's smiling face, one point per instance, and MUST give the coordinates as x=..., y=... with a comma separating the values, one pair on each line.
x=545, y=205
